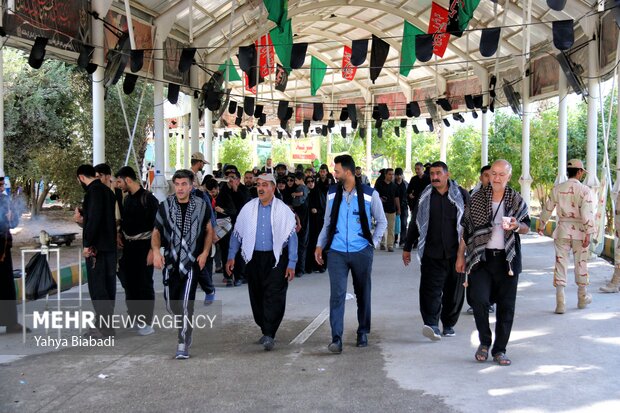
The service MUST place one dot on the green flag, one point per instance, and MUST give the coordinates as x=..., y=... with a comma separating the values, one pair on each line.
x=466, y=12
x=283, y=43
x=278, y=11
x=407, y=50
x=232, y=72
x=317, y=74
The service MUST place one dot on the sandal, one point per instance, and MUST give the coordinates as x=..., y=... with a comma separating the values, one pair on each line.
x=501, y=359
x=482, y=354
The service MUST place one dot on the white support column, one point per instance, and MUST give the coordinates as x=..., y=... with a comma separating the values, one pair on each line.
x=166, y=149
x=1, y=113
x=160, y=134
x=593, y=97
x=526, y=180
x=443, y=143
x=186, y=154
x=178, y=146
x=617, y=183
x=97, y=83
x=208, y=116
x=408, y=135
x=329, y=144
x=195, y=122
x=562, y=127
x=369, y=148
x=484, y=121
x=484, y=145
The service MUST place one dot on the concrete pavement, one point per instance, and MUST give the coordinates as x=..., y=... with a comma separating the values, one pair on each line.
x=560, y=362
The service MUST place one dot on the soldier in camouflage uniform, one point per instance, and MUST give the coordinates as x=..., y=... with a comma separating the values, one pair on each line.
x=614, y=285
x=575, y=212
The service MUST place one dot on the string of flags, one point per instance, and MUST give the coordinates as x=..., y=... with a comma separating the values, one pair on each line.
x=417, y=45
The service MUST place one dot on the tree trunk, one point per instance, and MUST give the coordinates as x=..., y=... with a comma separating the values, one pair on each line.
x=41, y=200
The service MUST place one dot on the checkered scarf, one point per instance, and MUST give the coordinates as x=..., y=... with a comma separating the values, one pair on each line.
x=478, y=226
x=424, y=212
x=182, y=236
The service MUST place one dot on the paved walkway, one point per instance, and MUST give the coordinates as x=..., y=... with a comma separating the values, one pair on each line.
x=560, y=362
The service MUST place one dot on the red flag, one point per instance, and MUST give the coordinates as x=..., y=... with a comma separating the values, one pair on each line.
x=439, y=23
x=348, y=70
x=265, y=55
x=246, y=83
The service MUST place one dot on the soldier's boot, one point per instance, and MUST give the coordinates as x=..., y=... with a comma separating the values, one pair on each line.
x=560, y=306
x=614, y=285
x=583, y=298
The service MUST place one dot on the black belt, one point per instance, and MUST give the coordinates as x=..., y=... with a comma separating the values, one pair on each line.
x=494, y=252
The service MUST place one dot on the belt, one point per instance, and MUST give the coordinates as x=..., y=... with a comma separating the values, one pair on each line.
x=494, y=252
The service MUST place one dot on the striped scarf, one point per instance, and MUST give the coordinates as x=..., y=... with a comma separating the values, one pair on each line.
x=182, y=235
x=424, y=212
x=478, y=226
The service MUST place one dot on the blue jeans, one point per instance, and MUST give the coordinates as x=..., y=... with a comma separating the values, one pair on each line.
x=338, y=265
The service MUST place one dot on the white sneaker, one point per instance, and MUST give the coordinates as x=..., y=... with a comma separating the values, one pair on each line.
x=146, y=331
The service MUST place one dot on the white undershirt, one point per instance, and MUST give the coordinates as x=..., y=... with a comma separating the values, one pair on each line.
x=497, y=238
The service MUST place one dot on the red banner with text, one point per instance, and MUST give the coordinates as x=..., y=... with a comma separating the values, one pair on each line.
x=348, y=70
x=438, y=22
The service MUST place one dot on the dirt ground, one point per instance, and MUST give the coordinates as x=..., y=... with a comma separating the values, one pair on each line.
x=53, y=221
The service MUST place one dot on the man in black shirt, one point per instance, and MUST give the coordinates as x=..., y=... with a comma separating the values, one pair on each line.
x=417, y=184
x=99, y=238
x=137, y=221
x=401, y=193
x=438, y=217
x=9, y=218
x=325, y=179
x=240, y=196
x=183, y=228
x=391, y=206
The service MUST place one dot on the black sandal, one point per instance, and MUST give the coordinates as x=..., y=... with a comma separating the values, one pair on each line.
x=482, y=354
x=501, y=359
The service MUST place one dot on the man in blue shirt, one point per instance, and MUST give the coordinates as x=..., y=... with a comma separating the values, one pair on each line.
x=346, y=235
x=269, y=247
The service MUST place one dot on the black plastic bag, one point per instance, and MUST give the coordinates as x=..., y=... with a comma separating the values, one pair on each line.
x=39, y=281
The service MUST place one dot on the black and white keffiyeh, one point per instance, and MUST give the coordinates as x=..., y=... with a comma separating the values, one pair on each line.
x=478, y=226
x=424, y=212
x=182, y=235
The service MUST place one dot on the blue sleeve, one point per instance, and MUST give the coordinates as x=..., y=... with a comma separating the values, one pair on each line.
x=292, y=251
x=235, y=244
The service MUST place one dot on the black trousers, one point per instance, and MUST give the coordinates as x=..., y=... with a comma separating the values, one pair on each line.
x=205, y=277
x=139, y=291
x=441, y=291
x=488, y=283
x=302, y=246
x=180, y=293
x=8, y=295
x=101, y=272
x=267, y=287
x=315, y=224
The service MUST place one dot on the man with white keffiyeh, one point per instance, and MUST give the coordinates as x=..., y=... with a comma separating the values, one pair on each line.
x=265, y=232
x=492, y=222
x=183, y=228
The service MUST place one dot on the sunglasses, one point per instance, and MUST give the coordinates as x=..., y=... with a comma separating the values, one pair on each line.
x=290, y=180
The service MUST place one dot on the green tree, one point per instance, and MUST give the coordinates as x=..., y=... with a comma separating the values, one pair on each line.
x=238, y=152
x=48, y=126
x=464, y=156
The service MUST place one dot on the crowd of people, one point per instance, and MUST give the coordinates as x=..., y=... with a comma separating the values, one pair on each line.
x=268, y=225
